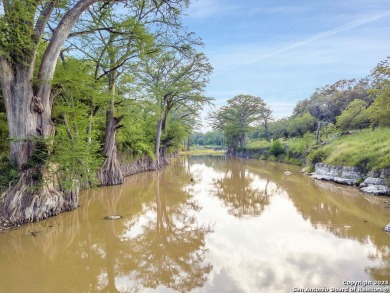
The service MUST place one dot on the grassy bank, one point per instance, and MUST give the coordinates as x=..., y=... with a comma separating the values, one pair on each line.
x=203, y=152
x=366, y=148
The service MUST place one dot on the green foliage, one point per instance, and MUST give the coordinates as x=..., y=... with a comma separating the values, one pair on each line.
x=136, y=136
x=17, y=41
x=277, y=148
x=379, y=111
x=299, y=146
x=76, y=146
x=9, y=173
x=40, y=155
x=317, y=156
x=4, y=143
x=328, y=102
x=329, y=132
x=210, y=138
x=299, y=125
x=76, y=151
x=172, y=84
x=236, y=118
x=367, y=149
x=83, y=88
x=355, y=116
x=175, y=134
x=278, y=128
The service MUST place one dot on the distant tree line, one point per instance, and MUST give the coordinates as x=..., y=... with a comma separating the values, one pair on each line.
x=211, y=139
x=346, y=105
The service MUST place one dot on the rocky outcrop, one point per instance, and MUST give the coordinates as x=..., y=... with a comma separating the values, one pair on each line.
x=374, y=182
x=245, y=153
x=340, y=174
x=140, y=165
x=387, y=228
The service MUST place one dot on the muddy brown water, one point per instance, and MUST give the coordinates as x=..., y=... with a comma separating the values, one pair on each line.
x=205, y=224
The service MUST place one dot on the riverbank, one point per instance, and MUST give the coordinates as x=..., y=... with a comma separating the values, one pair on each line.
x=200, y=224
x=203, y=152
x=360, y=158
x=128, y=167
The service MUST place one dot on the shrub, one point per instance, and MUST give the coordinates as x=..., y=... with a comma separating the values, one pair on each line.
x=277, y=148
x=8, y=173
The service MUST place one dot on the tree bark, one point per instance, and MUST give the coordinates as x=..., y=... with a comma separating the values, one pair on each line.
x=242, y=141
x=158, y=143
x=110, y=173
x=22, y=113
x=49, y=61
x=318, y=132
x=267, y=134
x=164, y=152
x=35, y=196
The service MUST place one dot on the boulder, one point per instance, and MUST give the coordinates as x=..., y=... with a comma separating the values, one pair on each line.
x=340, y=174
x=375, y=182
x=376, y=189
x=387, y=228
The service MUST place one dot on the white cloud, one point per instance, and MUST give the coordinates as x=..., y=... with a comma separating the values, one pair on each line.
x=209, y=8
x=273, y=259
x=326, y=34
x=283, y=52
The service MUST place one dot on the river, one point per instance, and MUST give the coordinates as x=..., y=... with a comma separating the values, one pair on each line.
x=205, y=224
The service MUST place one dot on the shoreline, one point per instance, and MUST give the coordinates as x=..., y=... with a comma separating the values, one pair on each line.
x=371, y=183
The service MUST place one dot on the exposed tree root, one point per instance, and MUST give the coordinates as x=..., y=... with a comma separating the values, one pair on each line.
x=36, y=196
x=110, y=173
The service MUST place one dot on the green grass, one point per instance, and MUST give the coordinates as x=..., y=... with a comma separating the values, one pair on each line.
x=203, y=152
x=296, y=149
x=300, y=145
x=367, y=149
x=370, y=150
x=258, y=144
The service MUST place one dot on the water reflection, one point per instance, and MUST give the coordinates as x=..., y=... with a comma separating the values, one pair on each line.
x=308, y=232
x=158, y=243
x=270, y=233
x=170, y=250
x=239, y=193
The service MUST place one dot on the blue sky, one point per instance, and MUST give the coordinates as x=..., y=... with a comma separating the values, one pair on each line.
x=283, y=50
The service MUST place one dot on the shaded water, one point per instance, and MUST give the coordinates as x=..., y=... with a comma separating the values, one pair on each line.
x=204, y=224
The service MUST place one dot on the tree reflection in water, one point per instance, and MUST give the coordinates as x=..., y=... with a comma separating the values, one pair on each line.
x=239, y=194
x=171, y=249
x=160, y=244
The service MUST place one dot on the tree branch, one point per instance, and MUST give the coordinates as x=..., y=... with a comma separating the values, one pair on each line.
x=44, y=18
x=108, y=29
x=106, y=72
x=60, y=35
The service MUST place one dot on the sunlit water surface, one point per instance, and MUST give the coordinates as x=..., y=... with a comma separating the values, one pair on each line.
x=204, y=224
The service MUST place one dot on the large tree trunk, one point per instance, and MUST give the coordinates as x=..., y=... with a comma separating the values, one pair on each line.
x=22, y=112
x=267, y=134
x=158, y=143
x=36, y=196
x=164, y=152
x=110, y=173
x=242, y=141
